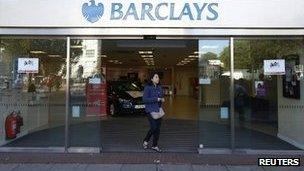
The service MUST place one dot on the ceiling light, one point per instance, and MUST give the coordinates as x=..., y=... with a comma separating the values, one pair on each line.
x=193, y=56
x=37, y=52
x=76, y=46
x=54, y=56
x=151, y=44
x=145, y=52
x=114, y=61
x=103, y=56
x=147, y=56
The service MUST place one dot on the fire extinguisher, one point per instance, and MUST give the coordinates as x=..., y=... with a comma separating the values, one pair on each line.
x=19, y=121
x=10, y=126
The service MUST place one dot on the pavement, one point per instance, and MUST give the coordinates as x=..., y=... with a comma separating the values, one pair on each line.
x=138, y=167
x=137, y=162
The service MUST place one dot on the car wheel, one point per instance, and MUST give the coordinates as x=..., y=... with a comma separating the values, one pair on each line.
x=112, y=110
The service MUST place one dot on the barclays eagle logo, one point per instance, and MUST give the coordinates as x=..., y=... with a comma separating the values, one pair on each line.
x=92, y=12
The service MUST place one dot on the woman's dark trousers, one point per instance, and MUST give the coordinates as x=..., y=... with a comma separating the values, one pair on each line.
x=154, y=130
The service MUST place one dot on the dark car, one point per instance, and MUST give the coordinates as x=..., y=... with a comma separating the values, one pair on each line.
x=125, y=97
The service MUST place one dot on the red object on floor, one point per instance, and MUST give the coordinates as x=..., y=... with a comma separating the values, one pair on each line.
x=11, y=126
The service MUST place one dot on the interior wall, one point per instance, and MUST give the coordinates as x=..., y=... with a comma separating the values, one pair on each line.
x=113, y=73
x=211, y=94
x=290, y=120
x=167, y=77
x=182, y=82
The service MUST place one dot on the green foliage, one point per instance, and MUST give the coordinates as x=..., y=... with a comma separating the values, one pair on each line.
x=49, y=65
x=209, y=56
x=250, y=54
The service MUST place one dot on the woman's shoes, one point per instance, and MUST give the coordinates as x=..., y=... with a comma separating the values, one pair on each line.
x=157, y=149
x=145, y=145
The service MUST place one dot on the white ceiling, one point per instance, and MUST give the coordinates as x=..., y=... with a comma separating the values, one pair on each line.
x=166, y=52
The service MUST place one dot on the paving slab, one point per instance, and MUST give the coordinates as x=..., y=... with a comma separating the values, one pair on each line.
x=245, y=168
x=284, y=168
x=68, y=167
x=8, y=167
x=209, y=167
x=104, y=167
x=33, y=167
x=138, y=167
x=175, y=167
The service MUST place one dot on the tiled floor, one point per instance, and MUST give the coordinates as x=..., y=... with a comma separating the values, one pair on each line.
x=180, y=132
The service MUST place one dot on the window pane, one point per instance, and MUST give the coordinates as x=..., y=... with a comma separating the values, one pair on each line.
x=269, y=93
x=214, y=81
x=32, y=92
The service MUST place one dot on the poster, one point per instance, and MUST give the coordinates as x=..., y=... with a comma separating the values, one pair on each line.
x=96, y=100
x=28, y=65
x=96, y=94
x=260, y=89
x=299, y=71
x=274, y=67
x=76, y=111
x=224, y=112
x=291, y=83
x=205, y=81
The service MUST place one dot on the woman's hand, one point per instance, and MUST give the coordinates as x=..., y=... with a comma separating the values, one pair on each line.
x=161, y=99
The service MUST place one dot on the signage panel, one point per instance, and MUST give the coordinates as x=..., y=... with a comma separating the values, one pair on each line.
x=152, y=14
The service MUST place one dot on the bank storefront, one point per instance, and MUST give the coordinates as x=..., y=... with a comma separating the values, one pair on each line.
x=72, y=75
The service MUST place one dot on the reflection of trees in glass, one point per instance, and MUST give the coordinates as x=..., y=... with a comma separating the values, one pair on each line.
x=203, y=60
x=76, y=52
x=251, y=53
x=90, y=54
x=241, y=55
x=13, y=47
x=209, y=56
x=49, y=65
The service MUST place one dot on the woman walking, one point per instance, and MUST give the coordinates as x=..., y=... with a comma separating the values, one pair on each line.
x=153, y=98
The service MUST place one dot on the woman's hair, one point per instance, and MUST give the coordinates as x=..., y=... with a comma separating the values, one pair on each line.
x=151, y=75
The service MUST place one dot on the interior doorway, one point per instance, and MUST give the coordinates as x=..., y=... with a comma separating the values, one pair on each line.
x=129, y=62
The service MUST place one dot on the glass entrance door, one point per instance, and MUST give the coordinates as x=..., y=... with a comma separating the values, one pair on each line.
x=214, y=103
x=129, y=64
x=87, y=94
x=32, y=92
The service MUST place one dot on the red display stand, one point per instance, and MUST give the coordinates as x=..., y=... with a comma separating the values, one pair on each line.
x=96, y=95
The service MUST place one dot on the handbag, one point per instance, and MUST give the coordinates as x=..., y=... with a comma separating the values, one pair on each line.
x=157, y=115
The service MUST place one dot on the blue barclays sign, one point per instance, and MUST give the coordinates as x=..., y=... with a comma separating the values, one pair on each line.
x=92, y=12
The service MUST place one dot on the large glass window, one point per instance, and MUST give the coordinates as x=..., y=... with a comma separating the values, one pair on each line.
x=32, y=92
x=106, y=83
x=269, y=93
